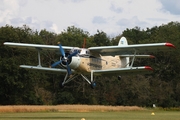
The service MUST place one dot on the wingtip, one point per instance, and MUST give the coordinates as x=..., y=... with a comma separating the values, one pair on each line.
x=152, y=56
x=4, y=43
x=148, y=68
x=170, y=45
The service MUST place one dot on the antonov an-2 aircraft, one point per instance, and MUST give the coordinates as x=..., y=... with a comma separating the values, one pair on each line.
x=75, y=61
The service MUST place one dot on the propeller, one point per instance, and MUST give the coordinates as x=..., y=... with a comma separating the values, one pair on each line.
x=64, y=59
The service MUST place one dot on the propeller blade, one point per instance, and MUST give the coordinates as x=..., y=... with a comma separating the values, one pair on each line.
x=56, y=63
x=61, y=50
x=65, y=59
x=68, y=69
x=73, y=54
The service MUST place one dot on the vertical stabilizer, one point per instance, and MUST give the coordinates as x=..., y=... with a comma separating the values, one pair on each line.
x=124, y=60
x=123, y=42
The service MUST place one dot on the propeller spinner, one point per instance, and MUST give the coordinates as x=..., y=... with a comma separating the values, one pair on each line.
x=64, y=59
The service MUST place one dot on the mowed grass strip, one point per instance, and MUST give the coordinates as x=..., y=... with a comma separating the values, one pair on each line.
x=117, y=115
x=75, y=108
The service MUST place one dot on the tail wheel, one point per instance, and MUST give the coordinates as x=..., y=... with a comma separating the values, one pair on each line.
x=119, y=77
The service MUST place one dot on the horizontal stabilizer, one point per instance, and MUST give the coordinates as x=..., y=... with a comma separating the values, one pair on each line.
x=138, y=56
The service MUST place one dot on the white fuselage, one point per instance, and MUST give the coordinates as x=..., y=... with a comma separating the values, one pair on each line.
x=87, y=64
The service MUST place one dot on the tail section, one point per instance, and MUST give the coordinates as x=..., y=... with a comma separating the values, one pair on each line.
x=124, y=60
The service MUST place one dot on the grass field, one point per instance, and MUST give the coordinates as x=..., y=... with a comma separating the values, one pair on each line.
x=122, y=115
x=96, y=113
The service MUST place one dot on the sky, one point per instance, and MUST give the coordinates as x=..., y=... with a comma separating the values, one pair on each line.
x=109, y=16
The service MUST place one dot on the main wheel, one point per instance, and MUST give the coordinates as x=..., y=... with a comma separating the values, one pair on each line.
x=93, y=85
x=119, y=77
x=61, y=84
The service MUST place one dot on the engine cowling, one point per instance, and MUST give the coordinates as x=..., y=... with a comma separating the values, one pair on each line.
x=74, y=62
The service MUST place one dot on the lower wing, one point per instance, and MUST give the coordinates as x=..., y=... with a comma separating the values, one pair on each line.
x=45, y=68
x=127, y=70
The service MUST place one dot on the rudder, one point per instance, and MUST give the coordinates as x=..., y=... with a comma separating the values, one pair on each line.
x=123, y=42
x=124, y=60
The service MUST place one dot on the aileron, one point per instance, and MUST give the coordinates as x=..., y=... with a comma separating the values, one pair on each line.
x=35, y=46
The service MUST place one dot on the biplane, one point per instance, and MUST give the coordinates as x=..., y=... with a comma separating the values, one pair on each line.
x=94, y=61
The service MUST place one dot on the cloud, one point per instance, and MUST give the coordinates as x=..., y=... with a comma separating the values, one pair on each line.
x=173, y=6
x=115, y=9
x=110, y=16
x=22, y=2
x=129, y=23
x=8, y=9
x=74, y=1
x=99, y=20
x=54, y=28
x=123, y=22
x=16, y=21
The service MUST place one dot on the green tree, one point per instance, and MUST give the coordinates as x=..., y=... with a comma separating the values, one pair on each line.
x=101, y=39
x=21, y=86
x=16, y=84
x=73, y=37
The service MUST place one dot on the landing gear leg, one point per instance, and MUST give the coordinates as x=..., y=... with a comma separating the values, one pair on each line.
x=67, y=79
x=93, y=84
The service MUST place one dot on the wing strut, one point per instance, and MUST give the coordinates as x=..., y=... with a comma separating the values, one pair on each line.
x=133, y=59
x=91, y=76
x=39, y=59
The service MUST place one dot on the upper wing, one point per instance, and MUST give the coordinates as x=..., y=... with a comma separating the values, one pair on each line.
x=36, y=46
x=130, y=49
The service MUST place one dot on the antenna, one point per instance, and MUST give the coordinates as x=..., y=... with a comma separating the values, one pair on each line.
x=84, y=44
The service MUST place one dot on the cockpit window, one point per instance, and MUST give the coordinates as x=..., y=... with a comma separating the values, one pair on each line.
x=84, y=52
x=75, y=50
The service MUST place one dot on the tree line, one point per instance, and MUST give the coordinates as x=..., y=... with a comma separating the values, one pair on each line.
x=31, y=87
